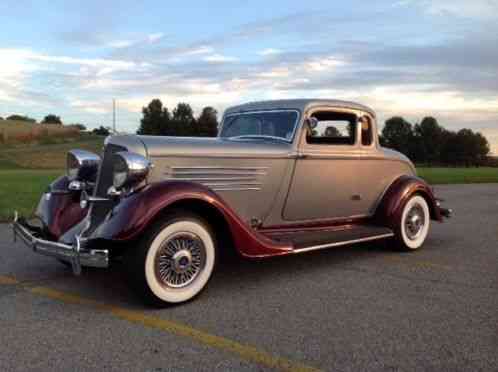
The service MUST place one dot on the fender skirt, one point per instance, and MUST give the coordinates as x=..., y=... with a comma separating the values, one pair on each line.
x=135, y=213
x=397, y=196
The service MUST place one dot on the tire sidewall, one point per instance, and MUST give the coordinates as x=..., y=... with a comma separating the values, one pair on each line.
x=414, y=244
x=177, y=295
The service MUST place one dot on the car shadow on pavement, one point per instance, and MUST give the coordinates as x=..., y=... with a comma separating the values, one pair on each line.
x=232, y=274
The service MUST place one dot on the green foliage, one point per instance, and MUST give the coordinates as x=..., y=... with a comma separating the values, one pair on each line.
x=157, y=121
x=101, y=131
x=21, y=118
x=398, y=135
x=52, y=119
x=207, y=122
x=81, y=127
x=429, y=143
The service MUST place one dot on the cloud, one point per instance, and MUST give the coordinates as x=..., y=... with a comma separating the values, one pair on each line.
x=269, y=52
x=120, y=43
x=477, y=9
x=219, y=58
x=152, y=38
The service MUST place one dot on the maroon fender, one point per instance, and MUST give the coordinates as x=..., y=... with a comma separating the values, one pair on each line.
x=61, y=210
x=134, y=214
x=397, y=196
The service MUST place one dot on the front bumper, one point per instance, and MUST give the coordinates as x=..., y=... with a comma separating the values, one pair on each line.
x=76, y=254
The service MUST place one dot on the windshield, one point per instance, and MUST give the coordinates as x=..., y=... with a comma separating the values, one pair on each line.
x=269, y=124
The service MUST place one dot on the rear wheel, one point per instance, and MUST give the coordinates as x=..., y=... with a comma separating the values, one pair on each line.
x=174, y=261
x=413, y=227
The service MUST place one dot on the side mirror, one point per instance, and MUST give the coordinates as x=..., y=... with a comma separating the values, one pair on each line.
x=311, y=123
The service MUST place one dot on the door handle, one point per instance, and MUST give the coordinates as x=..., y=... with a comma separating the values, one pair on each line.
x=356, y=197
x=301, y=156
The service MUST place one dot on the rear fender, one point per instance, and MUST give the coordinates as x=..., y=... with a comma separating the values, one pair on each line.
x=131, y=218
x=397, y=195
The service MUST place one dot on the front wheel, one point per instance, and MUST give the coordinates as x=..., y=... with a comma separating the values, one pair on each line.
x=413, y=227
x=174, y=262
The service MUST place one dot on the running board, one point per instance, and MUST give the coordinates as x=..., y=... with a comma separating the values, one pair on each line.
x=305, y=241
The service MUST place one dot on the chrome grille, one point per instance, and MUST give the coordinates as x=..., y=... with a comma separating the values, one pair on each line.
x=104, y=181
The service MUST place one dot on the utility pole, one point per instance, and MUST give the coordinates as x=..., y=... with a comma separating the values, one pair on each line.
x=114, y=116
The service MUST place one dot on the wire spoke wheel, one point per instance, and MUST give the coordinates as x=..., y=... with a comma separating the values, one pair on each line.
x=179, y=260
x=414, y=222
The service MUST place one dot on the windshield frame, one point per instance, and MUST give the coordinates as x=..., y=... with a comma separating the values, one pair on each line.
x=255, y=136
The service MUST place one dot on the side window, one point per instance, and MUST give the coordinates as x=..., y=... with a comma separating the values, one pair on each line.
x=332, y=128
x=366, y=130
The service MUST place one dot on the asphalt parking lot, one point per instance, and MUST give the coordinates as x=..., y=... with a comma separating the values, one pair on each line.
x=346, y=309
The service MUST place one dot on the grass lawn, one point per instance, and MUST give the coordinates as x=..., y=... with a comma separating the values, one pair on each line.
x=27, y=170
x=20, y=189
x=459, y=175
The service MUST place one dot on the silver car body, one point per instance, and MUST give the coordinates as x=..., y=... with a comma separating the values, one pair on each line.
x=277, y=183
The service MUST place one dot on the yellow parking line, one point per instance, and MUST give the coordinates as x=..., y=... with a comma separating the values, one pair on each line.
x=245, y=352
x=7, y=280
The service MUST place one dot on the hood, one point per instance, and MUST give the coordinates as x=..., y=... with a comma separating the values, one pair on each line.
x=161, y=146
x=393, y=154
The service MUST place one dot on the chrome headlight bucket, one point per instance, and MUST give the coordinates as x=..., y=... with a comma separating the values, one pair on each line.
x=129, y=169
x=82, y=165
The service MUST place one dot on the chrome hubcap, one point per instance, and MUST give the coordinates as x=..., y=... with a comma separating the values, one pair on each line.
x=414, y=222
x=179, y=260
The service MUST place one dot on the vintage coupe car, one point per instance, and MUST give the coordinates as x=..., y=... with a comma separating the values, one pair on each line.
x=283, y=177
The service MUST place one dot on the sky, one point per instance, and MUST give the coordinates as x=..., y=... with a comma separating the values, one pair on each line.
x=412, y=58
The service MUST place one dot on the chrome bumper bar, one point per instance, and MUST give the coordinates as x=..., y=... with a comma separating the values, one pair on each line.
x=76, y=254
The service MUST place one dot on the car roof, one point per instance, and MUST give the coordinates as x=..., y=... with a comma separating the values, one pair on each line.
x=297, y=104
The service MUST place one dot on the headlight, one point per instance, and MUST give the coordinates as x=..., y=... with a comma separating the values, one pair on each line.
x=82, y=165
x=129, y=169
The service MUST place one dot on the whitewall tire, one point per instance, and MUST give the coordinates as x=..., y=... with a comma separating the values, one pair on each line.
x=175, y=260
x=414, y=226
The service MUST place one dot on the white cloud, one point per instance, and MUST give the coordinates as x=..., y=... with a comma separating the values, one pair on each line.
x=269, y=52
x=203, y=49
x=120, y=44
x=152, y=38
x=219, y=58
x=483, y=9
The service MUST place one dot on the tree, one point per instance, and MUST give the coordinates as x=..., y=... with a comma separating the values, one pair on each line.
x=102, y=131
x=207, y=122
x=183, y=121
x=155, y=120
x=429, y=140
x=1, y=118
x=398, y=135
x=81, y=127
x=52, y=119
x=21, y=118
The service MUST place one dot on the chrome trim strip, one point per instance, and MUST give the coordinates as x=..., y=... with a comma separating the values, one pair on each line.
x=236, y=188
x=214, y=179
x=207, y=167
x=222, y=173
x=337, y=244
x=220, y=178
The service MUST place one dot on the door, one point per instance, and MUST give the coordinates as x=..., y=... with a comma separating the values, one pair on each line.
x=325, y=176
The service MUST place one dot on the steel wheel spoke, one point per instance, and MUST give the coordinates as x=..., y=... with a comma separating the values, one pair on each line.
x=179, y=260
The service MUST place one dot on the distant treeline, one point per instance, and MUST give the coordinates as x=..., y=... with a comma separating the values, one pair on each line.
x=157, y=120
x=430, y=144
